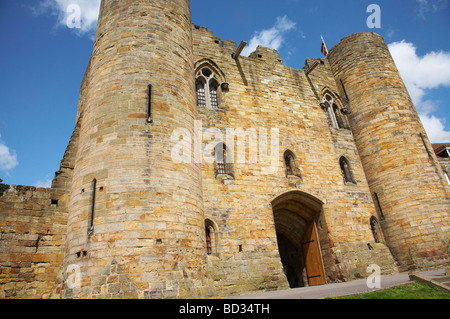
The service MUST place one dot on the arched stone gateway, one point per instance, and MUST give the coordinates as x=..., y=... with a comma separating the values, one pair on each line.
x=296, y=214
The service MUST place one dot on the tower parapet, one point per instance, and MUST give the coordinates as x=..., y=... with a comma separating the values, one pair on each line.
x=409, y=187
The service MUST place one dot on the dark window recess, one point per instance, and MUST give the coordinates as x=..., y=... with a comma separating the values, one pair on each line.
x=346, y=171
x=149, y=110
x=291, y=166
x=81, y=253
x=338, y=116
x=376, y=230
x=289, y=170
x=208, y=241
x=55, y=202
x=373, y=226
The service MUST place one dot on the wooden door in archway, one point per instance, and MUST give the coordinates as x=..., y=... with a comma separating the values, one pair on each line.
x=313, y=256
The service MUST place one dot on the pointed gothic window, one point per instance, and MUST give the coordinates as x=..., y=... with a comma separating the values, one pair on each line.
x=207, y=89
x=334, y=114
x=211, y=237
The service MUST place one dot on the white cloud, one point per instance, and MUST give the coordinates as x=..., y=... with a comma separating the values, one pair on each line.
x=271, y=38
x=435, y=128
x=79, y=15
x=8, y=159
x=421, y=75
x=44, y=184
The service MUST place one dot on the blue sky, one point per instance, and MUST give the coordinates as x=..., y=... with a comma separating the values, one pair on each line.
x=42, y=61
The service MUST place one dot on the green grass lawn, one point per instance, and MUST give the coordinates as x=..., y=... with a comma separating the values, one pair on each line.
x=415, y=290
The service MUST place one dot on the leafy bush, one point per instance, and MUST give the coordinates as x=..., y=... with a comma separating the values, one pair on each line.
x=3, y=187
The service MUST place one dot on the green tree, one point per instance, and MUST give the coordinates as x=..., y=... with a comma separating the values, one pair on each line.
x=3, y=187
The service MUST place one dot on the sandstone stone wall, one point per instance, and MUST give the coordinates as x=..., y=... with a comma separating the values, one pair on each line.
x=147, y=214
x=32, y=241
x=397, y=157
x=263, y=93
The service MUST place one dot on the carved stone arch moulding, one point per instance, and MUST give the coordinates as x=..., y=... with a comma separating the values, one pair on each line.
x=326, y=90
x=210, y=64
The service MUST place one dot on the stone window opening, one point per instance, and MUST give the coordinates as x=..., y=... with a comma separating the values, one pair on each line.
x=335, y=115
x=82, y=253
x=214, y=102
x=338, y=117
x=291, y=164
x=201, y=93
x=376, y=230
x=347, y=173
x=223, y=161
x=207, y=88
x=208, y=241
x=211, y=237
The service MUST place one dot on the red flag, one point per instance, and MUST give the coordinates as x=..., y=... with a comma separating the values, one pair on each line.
x=324, y=48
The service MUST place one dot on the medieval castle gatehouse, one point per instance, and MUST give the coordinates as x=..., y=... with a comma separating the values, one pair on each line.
x=320, y=173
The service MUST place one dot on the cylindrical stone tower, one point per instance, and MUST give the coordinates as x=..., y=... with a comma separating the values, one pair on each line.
x=136, y=224
x=398, y=159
